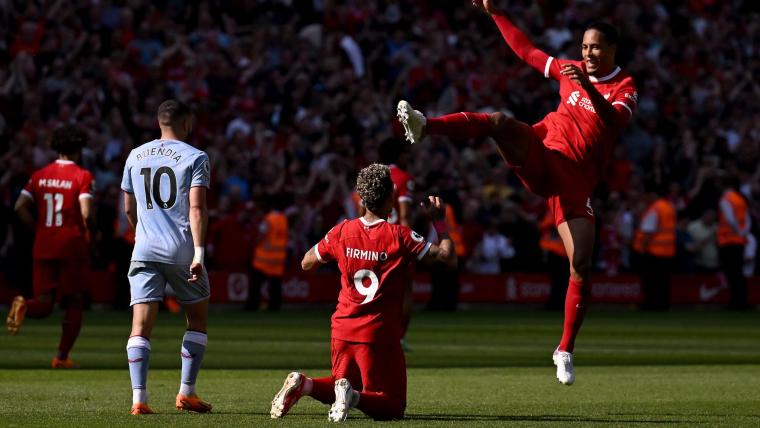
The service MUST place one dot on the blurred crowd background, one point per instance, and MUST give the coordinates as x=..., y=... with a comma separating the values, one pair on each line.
x=293, y=97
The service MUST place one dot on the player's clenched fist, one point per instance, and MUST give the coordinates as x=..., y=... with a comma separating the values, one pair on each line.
x=576, y=75
x=486, y=5
x=433, y=208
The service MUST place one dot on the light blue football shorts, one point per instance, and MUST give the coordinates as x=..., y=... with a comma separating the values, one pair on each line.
x=147, y=281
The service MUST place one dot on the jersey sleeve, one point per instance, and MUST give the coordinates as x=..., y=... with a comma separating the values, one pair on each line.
x=626, y=98
x=87, y=186
x=525, y=50
x=29, y=188
x=201, y=172
x=404, y=191
x=325, y=249
x=414, y=244
x=126, y=179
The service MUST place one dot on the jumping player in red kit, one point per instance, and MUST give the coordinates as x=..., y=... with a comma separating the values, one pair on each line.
x=368, y=366
x=560, y=158
x=62, y=192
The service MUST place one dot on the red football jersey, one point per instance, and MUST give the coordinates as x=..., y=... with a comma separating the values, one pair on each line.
x=372, y=258
x=575, y=129
x=56, y=190
x=404, y=187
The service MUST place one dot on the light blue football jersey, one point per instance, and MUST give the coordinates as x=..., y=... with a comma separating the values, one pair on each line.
x=160, y=174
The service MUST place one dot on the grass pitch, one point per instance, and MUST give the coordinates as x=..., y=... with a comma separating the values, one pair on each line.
x=489, y=368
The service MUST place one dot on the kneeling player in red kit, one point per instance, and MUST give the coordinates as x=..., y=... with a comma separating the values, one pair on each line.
x=368, y=366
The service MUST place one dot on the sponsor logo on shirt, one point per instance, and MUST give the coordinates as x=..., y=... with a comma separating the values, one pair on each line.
x=576, y=99
x=417, y=237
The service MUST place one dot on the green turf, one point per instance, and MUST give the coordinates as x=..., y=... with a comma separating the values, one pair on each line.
x=487, y=368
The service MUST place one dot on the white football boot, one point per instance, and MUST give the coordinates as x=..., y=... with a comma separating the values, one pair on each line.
x=413, y=120
x=290, y=393
x=345, y=398
x=565, y=371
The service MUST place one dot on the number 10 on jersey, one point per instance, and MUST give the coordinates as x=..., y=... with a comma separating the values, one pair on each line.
x=153, y=187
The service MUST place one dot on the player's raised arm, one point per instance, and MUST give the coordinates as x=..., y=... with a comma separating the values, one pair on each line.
x=518, y=41
x=443, y=253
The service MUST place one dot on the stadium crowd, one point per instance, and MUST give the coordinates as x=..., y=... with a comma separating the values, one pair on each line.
x=293, y=97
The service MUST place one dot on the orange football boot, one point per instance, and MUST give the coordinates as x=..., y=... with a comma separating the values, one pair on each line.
x=172, y=304
x=68, y=363
x=141, y=409
x=192, y=403
x=16, y=315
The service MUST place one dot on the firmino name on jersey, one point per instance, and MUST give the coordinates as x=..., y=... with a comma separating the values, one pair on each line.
x=354, y=253
x=159, y=151
x=55, y=183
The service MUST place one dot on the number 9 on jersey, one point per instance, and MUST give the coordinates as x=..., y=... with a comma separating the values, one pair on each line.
x=367, y=291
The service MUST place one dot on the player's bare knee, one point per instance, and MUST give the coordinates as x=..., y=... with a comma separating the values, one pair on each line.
x=500, y=122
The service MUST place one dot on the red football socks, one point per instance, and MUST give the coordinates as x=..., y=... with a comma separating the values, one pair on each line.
x=323, y=389
x=576, y=304
x=70, y=327
x=38, y=308
x=380, y=406
x=461, y=125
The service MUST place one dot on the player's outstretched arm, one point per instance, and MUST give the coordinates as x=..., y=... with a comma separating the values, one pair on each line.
x=517, y=40
x=23, y=210
x=198, y=225
x=443, y=253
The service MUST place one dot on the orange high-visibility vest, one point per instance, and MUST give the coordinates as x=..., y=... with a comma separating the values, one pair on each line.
x=726, y=234
x=550, y=240
x=271, y=252
x=663, y=241
x=455, y=231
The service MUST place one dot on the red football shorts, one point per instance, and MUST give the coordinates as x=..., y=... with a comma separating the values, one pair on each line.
x=566, y=184
x=64, y=276
x=371, y=367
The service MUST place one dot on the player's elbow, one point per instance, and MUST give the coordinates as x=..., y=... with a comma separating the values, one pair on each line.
x=307, y=264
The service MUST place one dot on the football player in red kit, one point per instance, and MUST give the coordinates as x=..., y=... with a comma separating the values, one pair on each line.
x=368, y=366
x=561, y=157
x=62, y=193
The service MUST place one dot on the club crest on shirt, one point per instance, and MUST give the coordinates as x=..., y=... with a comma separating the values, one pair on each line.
x=417, y=237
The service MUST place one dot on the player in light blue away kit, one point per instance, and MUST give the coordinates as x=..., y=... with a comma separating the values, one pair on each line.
x=165, y=182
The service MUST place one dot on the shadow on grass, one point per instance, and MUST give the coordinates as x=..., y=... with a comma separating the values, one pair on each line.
x=537, y=418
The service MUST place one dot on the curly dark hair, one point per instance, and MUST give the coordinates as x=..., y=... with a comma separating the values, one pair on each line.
x=374, y=185
x=68, y=139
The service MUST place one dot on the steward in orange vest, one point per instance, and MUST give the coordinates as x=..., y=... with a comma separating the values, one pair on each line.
x=269, y=259
x=734, y=224
x=655, y=243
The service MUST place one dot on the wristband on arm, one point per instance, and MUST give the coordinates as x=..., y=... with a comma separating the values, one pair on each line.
x=200, y=253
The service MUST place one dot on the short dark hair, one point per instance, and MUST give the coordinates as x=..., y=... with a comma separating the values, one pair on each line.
x=68, y=139
x=172, y=112
x=374, y=186
x=389, y=151
x=611, y=35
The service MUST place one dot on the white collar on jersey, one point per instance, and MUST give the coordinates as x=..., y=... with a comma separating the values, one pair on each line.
x=64, y=162
x=366, y=223
x=605, y=78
